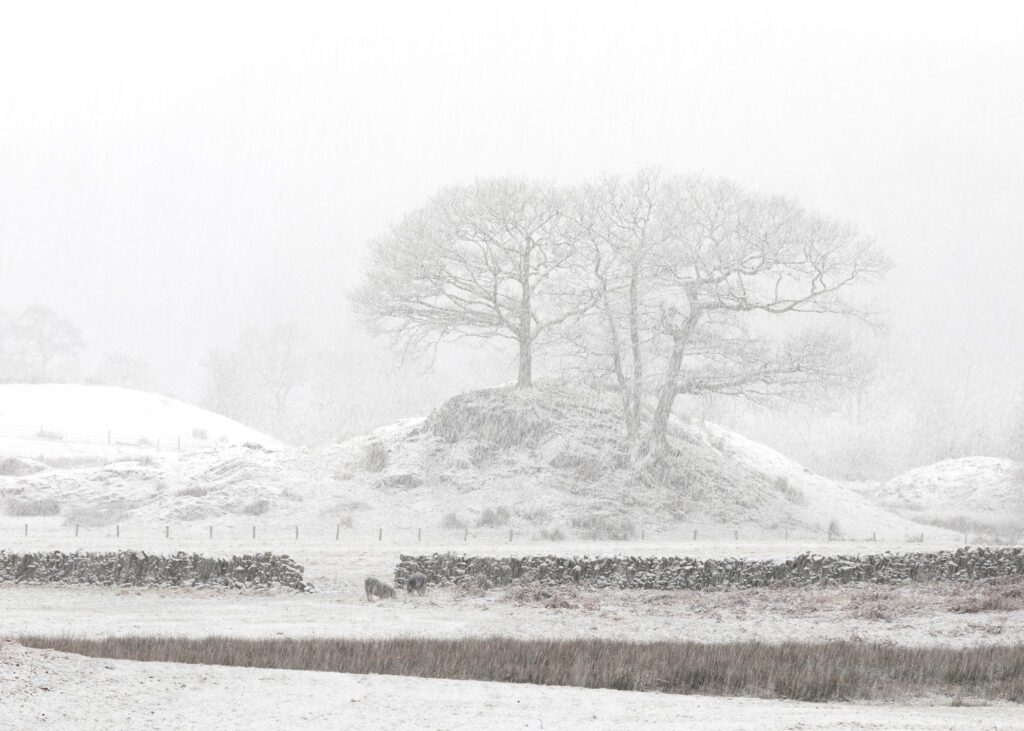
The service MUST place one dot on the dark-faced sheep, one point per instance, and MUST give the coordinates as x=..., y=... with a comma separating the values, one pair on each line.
x=376, y=588
x=416, y=583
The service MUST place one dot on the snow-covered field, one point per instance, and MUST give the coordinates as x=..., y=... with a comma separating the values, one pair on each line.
x=349, y=510
x=53, y=690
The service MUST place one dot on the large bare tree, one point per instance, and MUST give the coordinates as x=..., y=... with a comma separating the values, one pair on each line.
x=690, y=275
x=487, y=260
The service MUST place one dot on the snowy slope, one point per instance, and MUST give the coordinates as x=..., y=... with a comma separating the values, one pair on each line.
x=79, y=414
x=552, y=458
x=976, y=484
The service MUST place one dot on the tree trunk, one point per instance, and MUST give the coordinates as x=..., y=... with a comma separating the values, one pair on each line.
x=525, y=362
x=525, y=335
x=657, y=440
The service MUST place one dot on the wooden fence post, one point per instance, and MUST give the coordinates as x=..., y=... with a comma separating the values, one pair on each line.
x=296, y=532
x=118, y=531
x=254, y=533
x=211, y=532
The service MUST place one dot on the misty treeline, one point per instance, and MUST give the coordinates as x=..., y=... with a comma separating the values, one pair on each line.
x=665, y=289
x=39, y=345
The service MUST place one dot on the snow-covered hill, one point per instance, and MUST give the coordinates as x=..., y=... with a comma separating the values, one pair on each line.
x=970, y=485
x=551, y=460
x=79, y=414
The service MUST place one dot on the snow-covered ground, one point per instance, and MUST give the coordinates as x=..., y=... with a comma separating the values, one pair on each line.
x=41, y=688
x=970, y=484
x=553, y=457
x=50, y=415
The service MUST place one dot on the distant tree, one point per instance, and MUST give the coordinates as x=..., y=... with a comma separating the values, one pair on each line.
x=254, y=380
x=691, y=275
x=125, y=371
x=39, y=346
x=485, y=261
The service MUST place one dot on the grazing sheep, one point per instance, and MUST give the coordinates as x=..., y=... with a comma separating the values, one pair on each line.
x=416, y=583
x=376, y=588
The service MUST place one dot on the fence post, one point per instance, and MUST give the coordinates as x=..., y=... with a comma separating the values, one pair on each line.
x=695, y=535
x=167, y=531
x=118, y=531
x=26, y=529
x=76, y=530
x=874, y=536
x=380, y=534
x=509, y=535
x=419, y=534
x=211, y=531
x=465, y=534
x=254, y=532
x=296, y=532
x=736, y=535
x=337, y=532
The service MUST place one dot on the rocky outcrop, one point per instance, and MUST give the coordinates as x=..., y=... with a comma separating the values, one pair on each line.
x=137, y=568
x=651, y=572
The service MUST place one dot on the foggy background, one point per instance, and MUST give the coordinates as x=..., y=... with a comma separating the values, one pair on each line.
x=172, y=180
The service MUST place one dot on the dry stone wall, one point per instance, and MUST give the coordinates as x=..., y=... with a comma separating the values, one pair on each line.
x=646, y=572
x=137, y=568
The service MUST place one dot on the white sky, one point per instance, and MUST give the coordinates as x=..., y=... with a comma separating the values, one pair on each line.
x=170, y=174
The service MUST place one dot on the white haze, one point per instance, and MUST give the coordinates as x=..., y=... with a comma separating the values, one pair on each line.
x=171, y=175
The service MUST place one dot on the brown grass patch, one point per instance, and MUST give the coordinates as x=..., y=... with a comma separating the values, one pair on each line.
x=827, y=671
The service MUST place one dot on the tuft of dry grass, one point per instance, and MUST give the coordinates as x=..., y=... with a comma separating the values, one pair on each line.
x=826, y=671
x=28, y=507
x=991, y=596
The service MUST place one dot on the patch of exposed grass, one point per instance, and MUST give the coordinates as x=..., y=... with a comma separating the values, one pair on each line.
x=828, y=671
x=27, y=507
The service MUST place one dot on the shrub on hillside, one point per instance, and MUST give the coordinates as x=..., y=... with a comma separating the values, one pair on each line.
x=256, y=507
x=376, y=458
x=494, y=518
x=598, y=527
x=452, y=521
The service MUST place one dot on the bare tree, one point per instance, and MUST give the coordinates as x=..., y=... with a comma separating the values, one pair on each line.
x=690, y=275
x=486, y=260
x=40, y=346
x=255, y=380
